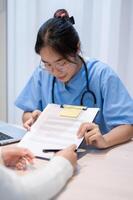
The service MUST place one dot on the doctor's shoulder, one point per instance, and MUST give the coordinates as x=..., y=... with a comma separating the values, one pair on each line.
x=99, y=69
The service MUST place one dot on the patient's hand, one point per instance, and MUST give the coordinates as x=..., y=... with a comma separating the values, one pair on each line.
x=69, y=154
x=16, y=157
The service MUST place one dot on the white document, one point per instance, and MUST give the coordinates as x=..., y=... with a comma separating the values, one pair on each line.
x=53, y=131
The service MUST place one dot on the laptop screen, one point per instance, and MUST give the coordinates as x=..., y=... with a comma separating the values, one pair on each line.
x=10, y=133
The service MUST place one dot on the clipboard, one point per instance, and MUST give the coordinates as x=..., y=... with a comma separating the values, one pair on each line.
x=56, y=129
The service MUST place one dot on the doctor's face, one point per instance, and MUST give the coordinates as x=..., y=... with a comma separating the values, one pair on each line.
x=61, y=68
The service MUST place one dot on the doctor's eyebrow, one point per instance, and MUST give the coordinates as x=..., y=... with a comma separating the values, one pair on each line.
x=54, y=61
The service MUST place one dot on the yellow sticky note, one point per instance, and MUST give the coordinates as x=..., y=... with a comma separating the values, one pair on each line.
x=70, y=112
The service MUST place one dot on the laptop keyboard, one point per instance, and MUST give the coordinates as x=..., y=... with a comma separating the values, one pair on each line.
x=4, y=136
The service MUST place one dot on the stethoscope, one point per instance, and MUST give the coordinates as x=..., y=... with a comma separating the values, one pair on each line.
x=87, y=91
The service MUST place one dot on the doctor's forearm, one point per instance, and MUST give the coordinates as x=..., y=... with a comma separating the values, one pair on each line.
x=118, y=135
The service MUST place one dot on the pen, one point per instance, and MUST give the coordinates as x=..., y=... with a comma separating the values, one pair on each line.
x=53, y=150
x=50, y=150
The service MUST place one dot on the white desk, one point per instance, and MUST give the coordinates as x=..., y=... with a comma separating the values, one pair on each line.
x=103, y=175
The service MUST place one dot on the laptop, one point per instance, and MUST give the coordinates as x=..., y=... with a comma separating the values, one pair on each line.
x=10, y=133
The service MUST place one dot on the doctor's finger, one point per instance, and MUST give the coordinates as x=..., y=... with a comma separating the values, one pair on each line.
x=82, y=130
x=86, y=127
x=81, y=126
x=28, y=124
x=94, y=138
x=88, y=135
x=35, y=114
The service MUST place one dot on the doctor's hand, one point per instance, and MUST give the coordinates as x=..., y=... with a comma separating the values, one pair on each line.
x=69, y=154
x=31, y=119
x=16, y=157
x=92, y=135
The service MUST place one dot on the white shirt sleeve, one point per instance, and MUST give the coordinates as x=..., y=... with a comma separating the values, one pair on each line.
x=40, y=185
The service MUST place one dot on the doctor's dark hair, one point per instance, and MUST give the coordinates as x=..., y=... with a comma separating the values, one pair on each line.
x=59, y=34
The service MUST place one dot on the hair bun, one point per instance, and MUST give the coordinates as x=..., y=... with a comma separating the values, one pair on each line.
x=62, y=13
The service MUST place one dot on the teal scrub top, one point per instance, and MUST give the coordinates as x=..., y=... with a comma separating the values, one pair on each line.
x=114, y=101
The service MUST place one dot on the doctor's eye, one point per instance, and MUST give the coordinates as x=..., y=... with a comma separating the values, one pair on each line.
x=47, y=65
x=62, y=63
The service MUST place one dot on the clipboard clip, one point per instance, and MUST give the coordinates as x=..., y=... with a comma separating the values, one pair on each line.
x=73, y=107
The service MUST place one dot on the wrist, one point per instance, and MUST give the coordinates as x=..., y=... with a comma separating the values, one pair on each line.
x=107, y=142
x=64, y=160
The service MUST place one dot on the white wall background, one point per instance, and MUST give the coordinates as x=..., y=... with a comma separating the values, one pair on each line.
x=3, y=81
x=105, y=28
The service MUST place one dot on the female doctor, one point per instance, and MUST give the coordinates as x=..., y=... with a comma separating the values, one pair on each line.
x=65, y=77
